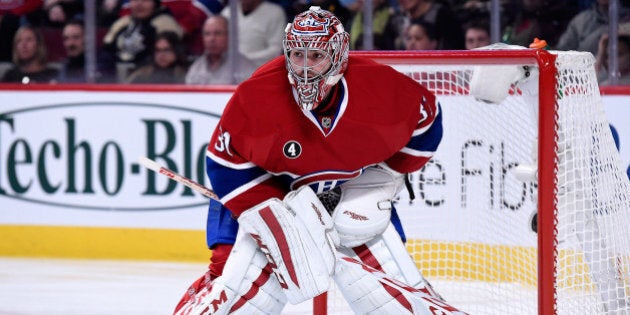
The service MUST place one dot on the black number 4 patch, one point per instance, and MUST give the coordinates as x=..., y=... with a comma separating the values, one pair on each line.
x=292, y=149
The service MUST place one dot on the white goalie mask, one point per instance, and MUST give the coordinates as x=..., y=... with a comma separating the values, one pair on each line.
x=316, y=53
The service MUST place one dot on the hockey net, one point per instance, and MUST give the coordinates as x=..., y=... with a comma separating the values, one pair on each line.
x=470, y=227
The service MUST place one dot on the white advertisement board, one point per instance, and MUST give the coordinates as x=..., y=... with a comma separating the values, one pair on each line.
x=618, y=113
x=70, y=158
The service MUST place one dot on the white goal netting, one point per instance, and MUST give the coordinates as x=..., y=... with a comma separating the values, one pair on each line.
x=470, y=227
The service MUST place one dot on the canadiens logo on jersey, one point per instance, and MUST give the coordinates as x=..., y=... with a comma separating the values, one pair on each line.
x=312, y=26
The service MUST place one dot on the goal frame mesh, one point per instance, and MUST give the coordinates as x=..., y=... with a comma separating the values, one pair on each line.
x=547, y=160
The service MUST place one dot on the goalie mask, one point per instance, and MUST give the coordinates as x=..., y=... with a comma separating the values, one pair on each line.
x=316, y=54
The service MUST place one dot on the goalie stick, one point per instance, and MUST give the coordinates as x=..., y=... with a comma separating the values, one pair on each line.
x=156, y=167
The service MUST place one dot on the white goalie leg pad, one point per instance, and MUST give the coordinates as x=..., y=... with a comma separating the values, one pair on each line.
x=369, y=291
x=364, y=209
x=387, y=253
x=247, y=285
x=298, y=238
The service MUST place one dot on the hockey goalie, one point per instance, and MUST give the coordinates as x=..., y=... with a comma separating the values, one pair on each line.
x=307, y=157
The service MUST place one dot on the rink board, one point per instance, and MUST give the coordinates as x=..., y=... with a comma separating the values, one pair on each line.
x=70, y=186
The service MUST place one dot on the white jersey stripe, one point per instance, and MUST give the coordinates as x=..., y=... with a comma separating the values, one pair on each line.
x=244, y=188
x=220, y=161
x=417, y=153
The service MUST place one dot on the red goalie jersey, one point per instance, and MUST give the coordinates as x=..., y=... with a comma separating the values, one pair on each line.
x=265, y=145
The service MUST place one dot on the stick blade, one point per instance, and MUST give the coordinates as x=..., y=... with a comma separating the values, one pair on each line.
x=150, y=164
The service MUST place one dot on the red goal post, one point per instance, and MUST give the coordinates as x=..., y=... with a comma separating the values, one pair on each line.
x=477, y=246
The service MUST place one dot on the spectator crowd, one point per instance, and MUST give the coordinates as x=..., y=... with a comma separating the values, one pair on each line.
x=187, y=41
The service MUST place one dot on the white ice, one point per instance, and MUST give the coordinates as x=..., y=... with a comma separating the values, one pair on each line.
x=89, y=287
x=112, y=287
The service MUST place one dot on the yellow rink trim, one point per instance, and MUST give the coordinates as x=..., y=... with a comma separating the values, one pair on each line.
x=103, y=243
x=475, y=261
x=463, y=261
x=437, y=259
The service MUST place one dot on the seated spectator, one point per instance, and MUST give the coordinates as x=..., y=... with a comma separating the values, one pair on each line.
x=261, y=27
x=623, y=57
x=384, y=29
x=29, y=59
x=169, y=62
x=190, y=15
x=585, y=29
x=73, y=66
x=212, y=67
x=12, y=15
x=447, y=28
x=539, y=19
x=476, y=34
x=132, y=37
x=420, y=35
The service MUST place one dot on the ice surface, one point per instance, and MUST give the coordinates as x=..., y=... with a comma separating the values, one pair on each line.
x=87, y=287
